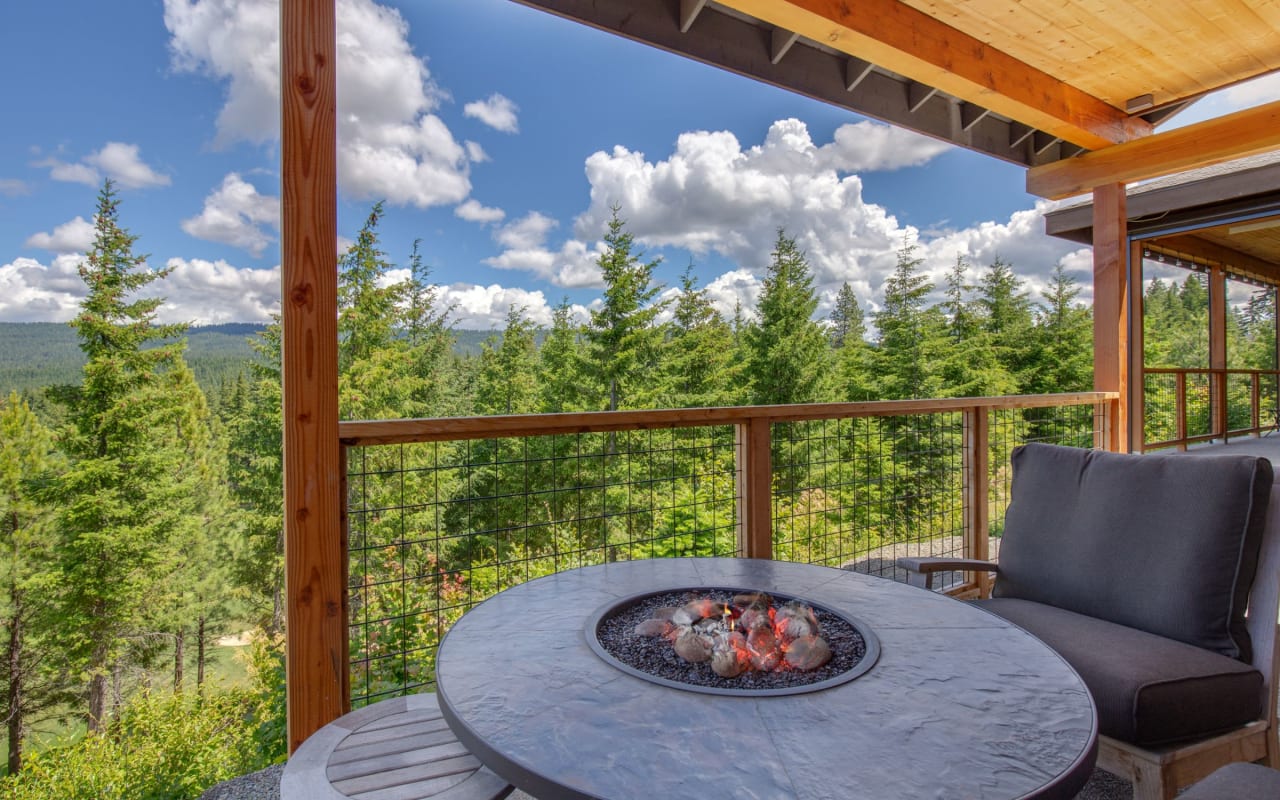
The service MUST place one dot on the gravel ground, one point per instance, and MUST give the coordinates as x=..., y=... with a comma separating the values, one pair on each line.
x=265, y=785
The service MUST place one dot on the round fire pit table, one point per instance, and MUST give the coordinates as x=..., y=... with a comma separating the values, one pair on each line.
x=959, y=703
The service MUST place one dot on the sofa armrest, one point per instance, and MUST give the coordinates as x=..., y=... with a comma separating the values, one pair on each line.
x=921, y=568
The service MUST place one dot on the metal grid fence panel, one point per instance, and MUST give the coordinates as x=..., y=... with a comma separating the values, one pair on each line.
x=437, y=527
x=859, y=493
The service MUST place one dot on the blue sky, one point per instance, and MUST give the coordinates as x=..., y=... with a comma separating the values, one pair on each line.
x=499, y=136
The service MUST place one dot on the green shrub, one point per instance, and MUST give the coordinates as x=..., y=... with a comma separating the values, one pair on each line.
x=161, y=747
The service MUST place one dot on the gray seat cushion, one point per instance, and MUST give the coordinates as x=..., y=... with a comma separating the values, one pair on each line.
x=1239, y=781
x=1149, y=690
x=1166, y=544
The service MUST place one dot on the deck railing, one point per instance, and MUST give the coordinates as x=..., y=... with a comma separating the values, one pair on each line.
x=1183, y=406
x=443, y=513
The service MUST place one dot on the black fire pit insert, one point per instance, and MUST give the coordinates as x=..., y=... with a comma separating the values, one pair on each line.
x=610, y=634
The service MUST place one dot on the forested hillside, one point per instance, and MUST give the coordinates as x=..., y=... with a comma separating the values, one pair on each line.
x=142, y=508
x=38, y=354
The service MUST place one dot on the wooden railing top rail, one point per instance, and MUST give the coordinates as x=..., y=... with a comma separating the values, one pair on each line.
x=1209, y=371
x=376, y=432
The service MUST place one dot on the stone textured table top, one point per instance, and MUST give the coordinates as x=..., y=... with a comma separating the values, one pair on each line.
x=961, y=704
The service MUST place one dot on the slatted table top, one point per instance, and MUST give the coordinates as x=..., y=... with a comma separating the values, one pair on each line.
x=397, y=749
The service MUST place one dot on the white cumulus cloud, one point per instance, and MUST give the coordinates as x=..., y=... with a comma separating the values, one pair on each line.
x=390, y=143
x=475, y=153
x=713, y=195
x=236, y=214
x=12, y=187
x=483, y=307
x=496, y=111
x=211, y=292
x=119, y=161
x=34, y=292
x=528, y=232
x=473, y=211
x=73, y=236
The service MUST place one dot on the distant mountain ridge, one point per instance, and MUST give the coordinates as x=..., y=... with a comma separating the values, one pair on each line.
x=37, y=354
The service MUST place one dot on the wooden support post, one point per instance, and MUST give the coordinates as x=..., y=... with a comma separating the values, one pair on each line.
x=755, y=488
x=1111, y=305
x=315, y=586
x=977, y=509
x=1218, y=349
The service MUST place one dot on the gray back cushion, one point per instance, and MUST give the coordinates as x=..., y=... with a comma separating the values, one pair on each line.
x=1166, y=544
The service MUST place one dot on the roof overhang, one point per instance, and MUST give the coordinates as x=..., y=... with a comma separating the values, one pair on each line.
x=1070, y=88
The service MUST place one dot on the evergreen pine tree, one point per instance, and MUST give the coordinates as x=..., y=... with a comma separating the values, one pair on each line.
x=32, y=654
x=700, y=361
x=121, y=501
x=912, y=336
x=1064, y=340
x=624, y=341
x=787, y=351
x=509, y=369
x=560, y=364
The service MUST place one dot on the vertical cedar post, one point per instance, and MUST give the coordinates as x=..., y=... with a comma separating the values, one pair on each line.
x=1218, y=348
x=1111, y=305
x=754, y=471
x=315, y=588
x=977, y=472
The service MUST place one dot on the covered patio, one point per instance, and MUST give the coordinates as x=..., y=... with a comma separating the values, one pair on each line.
x=1073, y=91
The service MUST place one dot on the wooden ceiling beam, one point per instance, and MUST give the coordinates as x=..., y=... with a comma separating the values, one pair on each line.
x=1207, y=253
x=1244, y=133
x=903, y=40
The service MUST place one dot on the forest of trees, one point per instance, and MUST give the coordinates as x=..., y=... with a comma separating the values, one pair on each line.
x=142, y=515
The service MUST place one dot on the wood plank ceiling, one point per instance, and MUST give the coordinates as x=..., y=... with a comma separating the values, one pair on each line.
x=1031, y=82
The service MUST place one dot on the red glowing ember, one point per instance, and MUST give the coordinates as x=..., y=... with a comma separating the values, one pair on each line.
x=751, y=634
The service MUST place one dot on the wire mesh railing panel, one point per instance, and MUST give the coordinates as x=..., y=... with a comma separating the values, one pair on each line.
x=437, y=527
x=1071, y=426
x=860, y=493
x=1239, y=401
x=1269, y=401
x=1159, y=413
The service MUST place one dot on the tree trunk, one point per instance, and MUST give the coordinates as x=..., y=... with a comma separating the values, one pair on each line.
x=97, y=699
x=117, y=694
x=15, y=698
x=200, y=642
x=179, y=655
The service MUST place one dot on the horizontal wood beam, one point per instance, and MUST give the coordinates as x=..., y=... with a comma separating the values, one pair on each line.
x=1244, y=133
x=909, y=42
x=1212, y=254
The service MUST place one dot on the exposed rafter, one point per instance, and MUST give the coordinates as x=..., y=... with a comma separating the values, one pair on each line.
x=1208, y=253
x=855, y=72
x=689, y=10
x=780, y=43
x=909, y=42
x=1244, y=133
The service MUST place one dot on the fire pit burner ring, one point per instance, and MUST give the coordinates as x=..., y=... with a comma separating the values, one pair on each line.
x=610, y=635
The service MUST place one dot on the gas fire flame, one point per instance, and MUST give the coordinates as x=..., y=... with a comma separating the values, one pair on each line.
x=751, y=634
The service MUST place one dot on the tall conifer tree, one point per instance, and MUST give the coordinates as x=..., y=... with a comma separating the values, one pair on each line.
x=121, y=501
x=624, y=341
x=787, y=351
